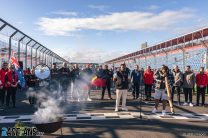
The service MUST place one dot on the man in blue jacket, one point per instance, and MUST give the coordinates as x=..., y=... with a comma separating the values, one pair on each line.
x=135, y=79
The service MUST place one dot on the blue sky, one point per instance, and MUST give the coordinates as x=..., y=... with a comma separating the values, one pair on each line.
x=96, y=31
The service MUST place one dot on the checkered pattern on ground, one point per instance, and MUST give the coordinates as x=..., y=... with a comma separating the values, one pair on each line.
x=107, y=116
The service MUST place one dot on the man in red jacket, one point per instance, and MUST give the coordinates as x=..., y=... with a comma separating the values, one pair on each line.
x=201, y=82
x=3, y=72
x=148, y=81
x=11, y=82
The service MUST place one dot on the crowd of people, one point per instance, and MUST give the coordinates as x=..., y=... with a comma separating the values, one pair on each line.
x=120, y=79
x=177, y=81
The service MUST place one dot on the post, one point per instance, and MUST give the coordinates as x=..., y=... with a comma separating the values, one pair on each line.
x=18, y=53
x=32, y=53
x=26, y=53
x=10, y=44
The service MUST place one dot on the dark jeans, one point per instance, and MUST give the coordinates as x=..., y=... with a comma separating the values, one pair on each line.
x=32, y=98
x=11, y=93
x=207, y=89
x=148, y=90
x=188, y=94
x=200, y=92
x=177, y=90
x=2, y=95
x=108, y=86
x=135, y=92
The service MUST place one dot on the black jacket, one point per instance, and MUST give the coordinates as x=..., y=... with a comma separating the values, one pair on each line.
x=75, y=74
x=121, y=80
x=65, y=75
x=106, y=74
x=55, y=74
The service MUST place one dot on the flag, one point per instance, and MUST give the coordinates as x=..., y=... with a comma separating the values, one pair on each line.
x=99, y=82
x=19, y=71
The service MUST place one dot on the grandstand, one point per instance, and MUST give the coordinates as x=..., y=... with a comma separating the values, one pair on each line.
x=189, y=49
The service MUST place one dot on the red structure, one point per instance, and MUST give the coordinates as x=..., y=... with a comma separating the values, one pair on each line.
x=188, y=38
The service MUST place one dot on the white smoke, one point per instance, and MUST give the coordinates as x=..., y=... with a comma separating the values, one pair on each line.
x=49, y=109
x=51, y=103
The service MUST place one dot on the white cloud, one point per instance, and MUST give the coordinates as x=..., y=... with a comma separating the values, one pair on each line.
x=87, y=55
x=65, y=13
x=153, y=7
x=140, y=21
x=99, y=7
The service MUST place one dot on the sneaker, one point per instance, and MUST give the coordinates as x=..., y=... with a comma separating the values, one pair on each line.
x=116, y=110
x=154, y=111
x=197, y=105
x=88, y=99
x=124, y=109
x=163, y=112
x=190, y=104
x=185, y=104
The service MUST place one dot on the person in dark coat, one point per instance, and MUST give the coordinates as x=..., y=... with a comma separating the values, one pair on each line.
x=121, y=83
x=32, y=86
x=65, y=80
x=136, y=78
x=75, y=78
x=55, y=78
x=55, y=74
x=107, y=75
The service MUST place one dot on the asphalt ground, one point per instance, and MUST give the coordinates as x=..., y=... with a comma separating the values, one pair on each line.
x=118, y=128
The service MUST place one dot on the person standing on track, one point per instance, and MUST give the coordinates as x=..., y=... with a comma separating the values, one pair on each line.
x=160, y=88
x=75, y=76
x=87, y=75
x=136, y=80
x=65, y=80
x=189, y=80
x=107, y=75
x=3, y=89
x=148, y=82
x=11, y=82
x=178, y=80
x=201, y=82
x=121, y=83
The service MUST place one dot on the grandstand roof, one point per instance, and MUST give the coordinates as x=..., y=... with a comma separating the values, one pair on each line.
x=198, y=34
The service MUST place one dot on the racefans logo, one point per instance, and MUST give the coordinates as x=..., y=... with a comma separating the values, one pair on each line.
x=20, y=131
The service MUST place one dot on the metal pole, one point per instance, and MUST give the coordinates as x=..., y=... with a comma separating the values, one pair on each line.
x=10, y=43
x=206, y=56
x=155, y=60
x=41, y=54
x=2, y=27
x=18, y=57
x=44, y=55
x=32, y=53
x=26, y=53
x=183, y=60
x=48, y=57
x=36, y=54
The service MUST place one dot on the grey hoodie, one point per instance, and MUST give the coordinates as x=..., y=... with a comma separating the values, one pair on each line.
x=189, y=79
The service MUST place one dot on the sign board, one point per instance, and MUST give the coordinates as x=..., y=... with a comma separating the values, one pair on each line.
x=144, y=45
